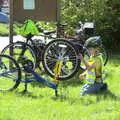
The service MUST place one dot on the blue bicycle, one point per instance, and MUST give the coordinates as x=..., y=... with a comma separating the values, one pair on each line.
x=10, y=74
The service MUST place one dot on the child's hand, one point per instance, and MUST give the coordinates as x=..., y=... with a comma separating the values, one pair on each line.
x=80, y=56
x=82, y=76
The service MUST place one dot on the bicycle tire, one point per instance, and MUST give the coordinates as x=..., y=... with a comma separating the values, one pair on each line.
x=38, y=48
x=70, y=52
x=19, y=45
x=7, y=73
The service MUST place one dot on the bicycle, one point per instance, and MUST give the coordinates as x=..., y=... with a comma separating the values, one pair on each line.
x=10, y=74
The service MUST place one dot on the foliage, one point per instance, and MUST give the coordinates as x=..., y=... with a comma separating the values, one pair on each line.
x=104, y=13
x=4, y=29
x=41, y=25
x=46, y=25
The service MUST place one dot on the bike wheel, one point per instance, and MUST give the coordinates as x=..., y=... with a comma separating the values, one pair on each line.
x=38, y=48
x=21, y=52
x=10, y=74
x=61, y=50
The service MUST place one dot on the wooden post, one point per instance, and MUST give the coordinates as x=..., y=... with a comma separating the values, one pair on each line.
x=58, y=10
x=58, y=17
x=11, y=25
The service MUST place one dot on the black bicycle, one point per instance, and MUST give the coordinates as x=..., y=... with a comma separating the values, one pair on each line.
x=68, y=53
x=62, y=50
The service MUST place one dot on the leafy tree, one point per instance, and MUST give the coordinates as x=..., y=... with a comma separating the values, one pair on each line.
x=105, y=14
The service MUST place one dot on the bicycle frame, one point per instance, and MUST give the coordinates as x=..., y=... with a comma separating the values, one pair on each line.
x=38, y=78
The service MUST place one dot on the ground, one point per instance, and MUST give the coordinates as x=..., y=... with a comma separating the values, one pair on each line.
x=41, y=104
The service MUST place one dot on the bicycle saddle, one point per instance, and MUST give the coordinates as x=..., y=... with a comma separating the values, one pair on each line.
x=48, y=32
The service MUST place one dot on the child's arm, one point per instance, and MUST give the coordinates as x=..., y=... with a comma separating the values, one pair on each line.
x=88, y=66
x=98, y=68
x=82, y=75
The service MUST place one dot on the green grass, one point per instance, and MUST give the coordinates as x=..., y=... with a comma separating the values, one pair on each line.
x=41, y=104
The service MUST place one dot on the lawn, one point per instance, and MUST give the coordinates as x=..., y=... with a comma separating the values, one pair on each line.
x=40, y=103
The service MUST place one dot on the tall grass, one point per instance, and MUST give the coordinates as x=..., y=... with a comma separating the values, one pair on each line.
x=40, y=103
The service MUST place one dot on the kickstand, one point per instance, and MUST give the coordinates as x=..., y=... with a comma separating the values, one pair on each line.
x=56, y=92
x=25, y=90
x=26, y=84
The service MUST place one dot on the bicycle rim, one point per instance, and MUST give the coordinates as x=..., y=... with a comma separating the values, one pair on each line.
x=17, y=49
x=10, y=73
x=23, y=59
x=61, y=49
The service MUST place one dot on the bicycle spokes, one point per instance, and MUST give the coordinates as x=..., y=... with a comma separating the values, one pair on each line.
x=61, y=50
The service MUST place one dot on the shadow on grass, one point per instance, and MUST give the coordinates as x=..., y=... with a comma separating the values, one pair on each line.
x=27, y=94
x=87, y=99
x=73, y=81
x=107, y=95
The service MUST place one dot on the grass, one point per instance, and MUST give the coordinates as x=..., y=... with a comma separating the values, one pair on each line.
x=41, y=104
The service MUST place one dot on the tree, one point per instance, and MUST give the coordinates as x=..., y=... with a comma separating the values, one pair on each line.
x=1, y=3
x=105, y=14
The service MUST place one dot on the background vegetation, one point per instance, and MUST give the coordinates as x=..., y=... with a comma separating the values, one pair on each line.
x=104, y=13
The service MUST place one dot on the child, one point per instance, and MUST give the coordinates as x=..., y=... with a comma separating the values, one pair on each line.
x=94, y=68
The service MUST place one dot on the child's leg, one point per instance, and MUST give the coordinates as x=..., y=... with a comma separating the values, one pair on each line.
x=93, y=88
x=84, y=88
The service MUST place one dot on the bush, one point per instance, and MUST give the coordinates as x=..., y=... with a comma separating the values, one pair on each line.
x=4, y=29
